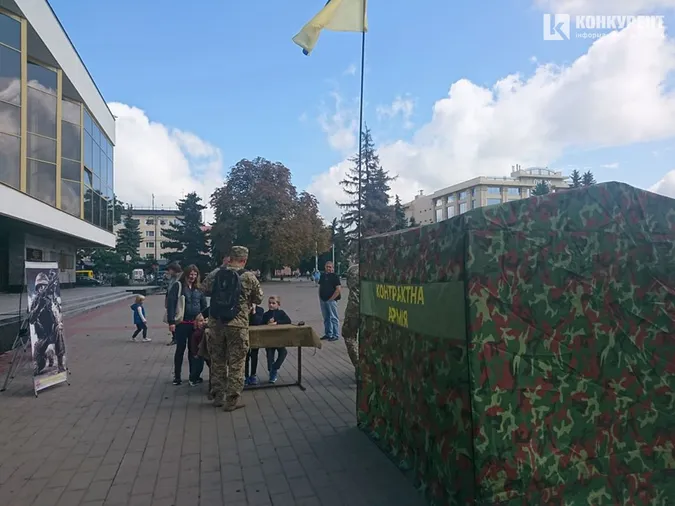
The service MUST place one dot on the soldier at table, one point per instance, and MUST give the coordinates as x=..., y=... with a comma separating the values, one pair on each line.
x=233, y=291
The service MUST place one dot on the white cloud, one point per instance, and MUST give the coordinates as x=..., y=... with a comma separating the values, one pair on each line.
x=340, y=126
x=608, y=7
x=613, y=165
x=401, y=106
x=351, y=70
x=612, y=95
x=152, y=158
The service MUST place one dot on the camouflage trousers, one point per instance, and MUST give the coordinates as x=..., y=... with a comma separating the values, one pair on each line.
x=350, y=333
x=227, y=347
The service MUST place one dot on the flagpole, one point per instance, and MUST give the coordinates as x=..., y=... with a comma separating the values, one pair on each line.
x=363, y=64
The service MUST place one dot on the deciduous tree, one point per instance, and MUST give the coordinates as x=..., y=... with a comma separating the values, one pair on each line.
x=258, y=207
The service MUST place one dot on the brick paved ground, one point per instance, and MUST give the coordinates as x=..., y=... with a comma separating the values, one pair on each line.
x=122, y=434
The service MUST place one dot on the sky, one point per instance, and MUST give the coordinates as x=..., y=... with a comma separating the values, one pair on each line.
x=453, y=90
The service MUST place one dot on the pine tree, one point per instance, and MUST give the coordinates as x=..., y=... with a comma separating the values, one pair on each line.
x=542, y=188
x=400, y=221
x=375, y=211
x=129, y=238
x=588, y=179
x=576, y=179
x=187, y=237
x=413, y=222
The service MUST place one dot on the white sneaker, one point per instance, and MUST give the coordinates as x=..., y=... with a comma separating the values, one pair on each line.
x=133, y=340
x=147, y=340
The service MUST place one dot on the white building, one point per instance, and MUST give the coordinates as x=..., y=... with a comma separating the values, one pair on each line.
x=56, y=147
x=480, y=192
x=152, y=223
x=421, y=209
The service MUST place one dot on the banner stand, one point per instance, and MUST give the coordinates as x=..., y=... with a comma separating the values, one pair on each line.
x=45, y=325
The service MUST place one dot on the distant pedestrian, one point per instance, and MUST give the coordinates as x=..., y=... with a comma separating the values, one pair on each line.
x=187, y=298
x=251, y=368
x=233, y=291
x=173, y=273
x=140, y=320
x=275, y=316
x=329, y=295
x=350, y=327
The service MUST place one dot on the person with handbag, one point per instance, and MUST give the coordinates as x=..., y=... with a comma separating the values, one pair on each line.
x=184, y=302
x=173, y=273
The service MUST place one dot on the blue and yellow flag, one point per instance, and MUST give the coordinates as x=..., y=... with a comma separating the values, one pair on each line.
x=337, y=16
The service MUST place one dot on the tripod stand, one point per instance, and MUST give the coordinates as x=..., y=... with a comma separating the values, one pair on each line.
x=21, y=353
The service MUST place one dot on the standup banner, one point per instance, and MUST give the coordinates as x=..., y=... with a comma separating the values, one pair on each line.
x=46, y=324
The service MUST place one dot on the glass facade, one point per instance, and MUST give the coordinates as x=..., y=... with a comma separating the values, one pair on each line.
x=68, y=158
x=10, y=101
x=463, y=195
x=463, y=207
x=513, y=192
x=98, y=175
x=439, y=215
x=494, y=202
x=494, y=190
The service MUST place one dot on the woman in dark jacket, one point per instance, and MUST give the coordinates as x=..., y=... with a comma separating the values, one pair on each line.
x=195, y=303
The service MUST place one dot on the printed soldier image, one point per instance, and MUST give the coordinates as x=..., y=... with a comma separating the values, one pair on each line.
x=45, y=319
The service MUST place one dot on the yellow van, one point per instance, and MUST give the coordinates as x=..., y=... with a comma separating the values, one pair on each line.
x=85, y=274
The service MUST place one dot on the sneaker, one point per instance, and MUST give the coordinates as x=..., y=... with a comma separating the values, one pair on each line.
x=333, y=339
x=177, y=381
x=133, y=340
x=171, y=343
x=325, y=338
x=199, y=381
x=247, y=381
x=192, y=383
x=253, y=381
x=147, y=340
x=274, y=376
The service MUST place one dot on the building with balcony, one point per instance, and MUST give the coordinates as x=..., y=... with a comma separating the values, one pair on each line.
x=56, y=147
x=152, y=223
x=483, y=191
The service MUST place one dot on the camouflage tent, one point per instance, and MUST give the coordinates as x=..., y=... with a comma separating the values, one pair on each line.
x=524, y=354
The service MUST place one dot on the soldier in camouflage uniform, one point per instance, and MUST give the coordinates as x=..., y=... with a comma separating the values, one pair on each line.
x=45, y=316
x=350, y=326
x=228, y=342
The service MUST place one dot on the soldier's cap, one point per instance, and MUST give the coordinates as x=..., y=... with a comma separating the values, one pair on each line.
x=238, y=252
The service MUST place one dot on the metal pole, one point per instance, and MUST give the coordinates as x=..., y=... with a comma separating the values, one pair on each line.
x=316, y=256
x=363, y=63
x=333, y=253
x=154, y=219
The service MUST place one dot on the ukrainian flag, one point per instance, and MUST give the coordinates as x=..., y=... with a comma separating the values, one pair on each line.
x=337, y=16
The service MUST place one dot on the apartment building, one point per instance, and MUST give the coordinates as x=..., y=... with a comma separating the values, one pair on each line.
x=57, y=140
x=483, y=191
x=152, y=223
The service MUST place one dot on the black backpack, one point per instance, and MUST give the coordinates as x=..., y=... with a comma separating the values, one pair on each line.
x=225, y=295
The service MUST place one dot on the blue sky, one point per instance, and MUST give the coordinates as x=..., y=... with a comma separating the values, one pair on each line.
x=229, y=73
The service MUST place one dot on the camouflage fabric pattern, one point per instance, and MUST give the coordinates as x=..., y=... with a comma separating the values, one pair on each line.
x=350, y=325
x=251, y=293
x=227, y=348
x=563, y=389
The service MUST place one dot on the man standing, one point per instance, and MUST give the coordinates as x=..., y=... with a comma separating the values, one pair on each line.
x=174, y=271
x=350, y=327
x=233, y=292
x=45, y=316
x=329, y=294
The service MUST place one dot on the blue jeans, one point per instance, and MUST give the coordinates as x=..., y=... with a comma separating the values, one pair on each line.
x=331, y=321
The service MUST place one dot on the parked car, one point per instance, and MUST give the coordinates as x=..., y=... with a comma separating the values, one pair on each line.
x=87, y=281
